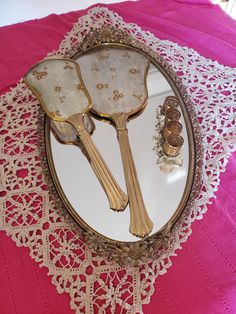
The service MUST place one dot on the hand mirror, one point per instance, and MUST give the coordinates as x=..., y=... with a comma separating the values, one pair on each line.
x=116, y=81
x=58, y=85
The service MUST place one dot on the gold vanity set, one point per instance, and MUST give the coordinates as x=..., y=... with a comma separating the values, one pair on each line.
x=107, y=81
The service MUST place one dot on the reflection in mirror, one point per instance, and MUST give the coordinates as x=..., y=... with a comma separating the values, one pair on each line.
x=162, y=191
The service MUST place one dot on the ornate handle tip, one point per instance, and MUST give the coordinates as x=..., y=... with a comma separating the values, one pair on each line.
x=141, y=230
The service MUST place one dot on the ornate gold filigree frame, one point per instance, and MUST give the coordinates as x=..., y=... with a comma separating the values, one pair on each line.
x=152, y=247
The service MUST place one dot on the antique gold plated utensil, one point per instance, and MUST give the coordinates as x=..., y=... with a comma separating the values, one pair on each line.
x=173, y=144
x=66, y=134
x=116, y=80
x=172, y=127
x=170, y=102
x=172, y=114
x=58, y=85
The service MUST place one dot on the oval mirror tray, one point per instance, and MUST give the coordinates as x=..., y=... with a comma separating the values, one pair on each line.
x=168, y=184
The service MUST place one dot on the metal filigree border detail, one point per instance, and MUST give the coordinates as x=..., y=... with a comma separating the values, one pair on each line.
x=153, y=247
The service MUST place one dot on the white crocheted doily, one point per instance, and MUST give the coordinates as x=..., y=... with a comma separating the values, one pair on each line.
x=30, y=214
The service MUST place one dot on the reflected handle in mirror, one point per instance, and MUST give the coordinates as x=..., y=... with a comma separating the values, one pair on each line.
x=140, y=223
x=117, y=198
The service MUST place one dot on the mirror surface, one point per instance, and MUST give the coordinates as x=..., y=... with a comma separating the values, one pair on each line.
x=162, y=192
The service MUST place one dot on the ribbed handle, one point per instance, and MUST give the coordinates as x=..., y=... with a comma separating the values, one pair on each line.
x=117, y=198
x=140, y=223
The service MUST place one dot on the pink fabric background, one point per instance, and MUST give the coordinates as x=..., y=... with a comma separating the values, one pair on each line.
x=203, y=276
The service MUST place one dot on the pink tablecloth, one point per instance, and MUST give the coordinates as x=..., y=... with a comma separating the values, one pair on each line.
x=202, y=278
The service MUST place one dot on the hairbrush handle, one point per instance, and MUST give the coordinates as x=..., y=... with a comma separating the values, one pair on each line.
x=117, y=198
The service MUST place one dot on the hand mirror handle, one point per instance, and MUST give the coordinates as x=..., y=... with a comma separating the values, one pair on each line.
x=140, y=223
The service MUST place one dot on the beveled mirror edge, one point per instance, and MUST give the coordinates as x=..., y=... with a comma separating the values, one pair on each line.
x=151, y=247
